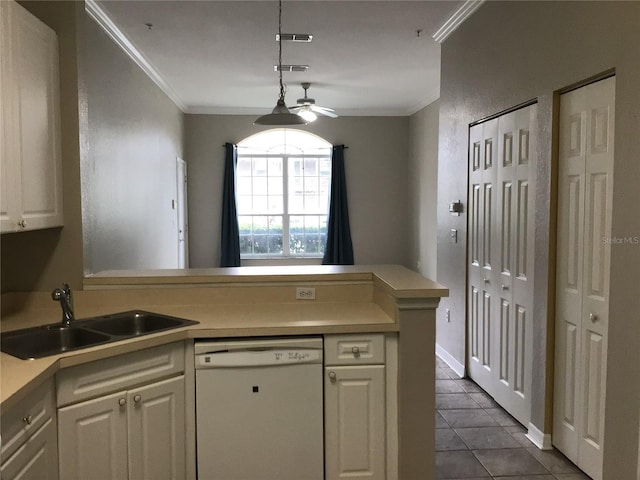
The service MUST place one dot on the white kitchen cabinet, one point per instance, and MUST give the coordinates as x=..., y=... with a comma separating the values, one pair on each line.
x=135, y=434
x=29, y=441
x=30, y=154
x=93, y=438
x=355, y=407
x=124, y=417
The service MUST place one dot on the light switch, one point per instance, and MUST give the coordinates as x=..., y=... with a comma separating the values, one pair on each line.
x=453, y=235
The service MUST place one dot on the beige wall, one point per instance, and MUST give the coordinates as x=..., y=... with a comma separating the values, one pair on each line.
x=41, y=260
x=508, y=53
x=423, y=189
x=376, y=170
x=134, y=134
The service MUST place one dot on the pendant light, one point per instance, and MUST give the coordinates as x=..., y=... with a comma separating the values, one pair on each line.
x=280, y=114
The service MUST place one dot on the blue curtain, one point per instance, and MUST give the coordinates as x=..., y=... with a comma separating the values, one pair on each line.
x=339, y=249
x=230, y=241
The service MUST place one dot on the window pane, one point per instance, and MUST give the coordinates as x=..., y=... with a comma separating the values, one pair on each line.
x=311, y=166
x=275, y=167
x=275, y=185
x=259, y=186
x=243, y=167
x=275, y=205
x=259, y=167
x=260, y=204
x=245, y=204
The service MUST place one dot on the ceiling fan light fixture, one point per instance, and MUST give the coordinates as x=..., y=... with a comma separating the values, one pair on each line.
x=308, y=115
x=280, y=115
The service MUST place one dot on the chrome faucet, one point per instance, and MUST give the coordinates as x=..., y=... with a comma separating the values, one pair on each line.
x=63, y=295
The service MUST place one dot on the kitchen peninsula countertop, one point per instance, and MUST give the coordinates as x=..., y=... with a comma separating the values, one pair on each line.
x=229, y=302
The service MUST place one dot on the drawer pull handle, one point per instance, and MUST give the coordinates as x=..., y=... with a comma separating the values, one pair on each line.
x=355, y=351
x=137, y=398
x=27, y=419
x=122, y=402
x=22, y=224
x=332, y=376
x=505, y=287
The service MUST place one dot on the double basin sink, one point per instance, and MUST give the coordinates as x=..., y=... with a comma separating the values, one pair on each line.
x=53, y=339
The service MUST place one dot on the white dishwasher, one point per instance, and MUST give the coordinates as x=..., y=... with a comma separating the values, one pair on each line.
x=259, y=409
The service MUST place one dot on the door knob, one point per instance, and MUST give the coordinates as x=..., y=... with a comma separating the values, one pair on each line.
x=332, y=376
x=122, y=402
x=137, y=398
x=593, y=317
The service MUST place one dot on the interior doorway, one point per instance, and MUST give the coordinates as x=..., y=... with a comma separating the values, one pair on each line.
x=182, y=213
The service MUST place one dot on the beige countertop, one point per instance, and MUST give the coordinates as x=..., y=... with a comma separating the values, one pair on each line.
x=247, y=301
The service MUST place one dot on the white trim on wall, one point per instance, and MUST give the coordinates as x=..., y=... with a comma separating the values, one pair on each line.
x=451, y=361
x=456, y=19
x=539, y=439
x=111, y=29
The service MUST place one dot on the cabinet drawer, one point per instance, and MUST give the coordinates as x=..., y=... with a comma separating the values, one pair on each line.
x=37, y=458
x=23, y=420
x=119, y=373
x=354, y=349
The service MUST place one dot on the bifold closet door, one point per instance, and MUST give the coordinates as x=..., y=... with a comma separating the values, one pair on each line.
x=582, y=274
x=500, y=254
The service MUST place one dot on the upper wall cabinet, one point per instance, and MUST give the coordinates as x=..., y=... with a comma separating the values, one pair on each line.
x=30, y=158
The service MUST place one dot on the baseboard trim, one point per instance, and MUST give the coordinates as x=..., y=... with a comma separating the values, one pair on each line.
x=539, y=439
x=452, y=362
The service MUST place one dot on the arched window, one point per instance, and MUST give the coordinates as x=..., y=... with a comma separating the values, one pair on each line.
x=283, y=181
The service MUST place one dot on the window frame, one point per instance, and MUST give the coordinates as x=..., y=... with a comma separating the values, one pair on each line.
x=286, y=154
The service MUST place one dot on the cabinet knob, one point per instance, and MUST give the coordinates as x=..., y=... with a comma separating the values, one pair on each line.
x=122, y=402
x=22, y=223
x=593, y=317
x=137, y=398
x=332, y=376
x=486, y=280
x=27, y=419
x=505, y=287
x=355, y=351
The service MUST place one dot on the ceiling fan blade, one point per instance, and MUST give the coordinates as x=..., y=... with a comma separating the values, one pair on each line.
x=329, y=112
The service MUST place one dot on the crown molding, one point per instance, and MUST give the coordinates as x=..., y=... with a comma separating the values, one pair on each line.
x=111, y=29
x=456, y=19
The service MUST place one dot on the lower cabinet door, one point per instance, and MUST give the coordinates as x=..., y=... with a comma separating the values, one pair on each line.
x=157, y=431
x=355, y=422
x=92, y=439
x=36, y=459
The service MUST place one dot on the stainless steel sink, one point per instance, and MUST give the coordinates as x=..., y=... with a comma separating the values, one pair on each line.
x=49, y=340
x=54, y=339
x=133, y=324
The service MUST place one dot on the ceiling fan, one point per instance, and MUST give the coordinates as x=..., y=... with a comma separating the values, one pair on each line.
x=307, y=108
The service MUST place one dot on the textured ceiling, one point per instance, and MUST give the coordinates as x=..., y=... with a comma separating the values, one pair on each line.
x=366, y=58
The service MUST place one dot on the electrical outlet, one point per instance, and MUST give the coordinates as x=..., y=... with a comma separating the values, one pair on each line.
x=305, y=293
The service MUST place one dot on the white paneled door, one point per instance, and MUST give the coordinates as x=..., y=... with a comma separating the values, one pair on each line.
x=502, y=157
x=585, y=168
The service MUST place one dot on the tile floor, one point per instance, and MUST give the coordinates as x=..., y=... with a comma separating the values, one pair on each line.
x=476, y=439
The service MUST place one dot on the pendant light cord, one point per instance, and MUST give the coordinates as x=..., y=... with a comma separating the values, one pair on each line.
x=280, y=49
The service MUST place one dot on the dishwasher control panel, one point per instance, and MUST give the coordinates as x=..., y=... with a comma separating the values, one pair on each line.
x=252, y=358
